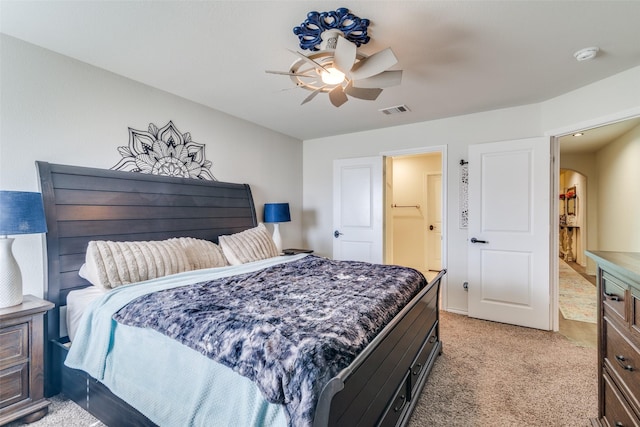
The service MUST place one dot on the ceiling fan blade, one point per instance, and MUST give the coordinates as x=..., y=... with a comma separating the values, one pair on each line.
x=313, y=95
x=298, y=86
x=374, y=64
x=384, y=79
x=344, y=55
x=370, y=94
x=337, y=96
x=309, y=60
x=287, y=73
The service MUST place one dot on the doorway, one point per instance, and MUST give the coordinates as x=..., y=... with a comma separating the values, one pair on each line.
x=588, y=161
x=577, y=300
x=413, y=211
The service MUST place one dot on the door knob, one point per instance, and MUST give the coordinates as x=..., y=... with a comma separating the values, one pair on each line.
x=474, y=240
x=337, y=234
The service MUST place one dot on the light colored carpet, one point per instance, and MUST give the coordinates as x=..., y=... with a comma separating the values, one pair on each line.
x=63, y=413
x=492, y=374
x=578, y=298
x=489, y=374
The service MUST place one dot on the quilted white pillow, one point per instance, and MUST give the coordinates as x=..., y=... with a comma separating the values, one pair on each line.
x=249, y=245
x=112, y=264
x=202, y=253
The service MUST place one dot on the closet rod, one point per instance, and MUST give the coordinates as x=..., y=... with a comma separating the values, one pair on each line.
x=405, y=206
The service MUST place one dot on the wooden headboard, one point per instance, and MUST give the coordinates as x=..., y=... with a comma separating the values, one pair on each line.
x=83, y=204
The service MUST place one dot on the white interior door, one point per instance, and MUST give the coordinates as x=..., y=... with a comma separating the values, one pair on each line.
x=358, y=209
x=509, y=232
x=434, y=222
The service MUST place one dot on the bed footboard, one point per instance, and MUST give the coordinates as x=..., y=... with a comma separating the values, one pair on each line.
x=382, y=386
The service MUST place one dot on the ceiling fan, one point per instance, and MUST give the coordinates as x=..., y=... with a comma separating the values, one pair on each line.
x=334, y=65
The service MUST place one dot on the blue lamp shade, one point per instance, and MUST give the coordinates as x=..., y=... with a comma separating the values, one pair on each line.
x=277, y=212
x=21, y=213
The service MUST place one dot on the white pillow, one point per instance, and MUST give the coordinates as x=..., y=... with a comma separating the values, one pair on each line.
x=112, y=264
x=250, y=245
x=202, y=253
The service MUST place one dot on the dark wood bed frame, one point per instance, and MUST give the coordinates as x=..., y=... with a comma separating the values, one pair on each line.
x=380, y=387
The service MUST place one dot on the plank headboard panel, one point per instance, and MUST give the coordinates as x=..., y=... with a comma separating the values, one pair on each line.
x=83, y=204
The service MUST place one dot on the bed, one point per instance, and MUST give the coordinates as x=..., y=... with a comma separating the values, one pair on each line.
x=379, y=386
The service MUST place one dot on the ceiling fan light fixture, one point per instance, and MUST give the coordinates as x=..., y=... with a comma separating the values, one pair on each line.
x=332, y=76
x=337, y=68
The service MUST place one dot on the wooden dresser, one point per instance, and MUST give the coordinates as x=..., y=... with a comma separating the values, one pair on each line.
x=618, y=338
x=22, y=361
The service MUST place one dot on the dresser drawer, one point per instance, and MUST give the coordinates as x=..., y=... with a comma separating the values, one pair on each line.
x=14, y=385
x=14, y=345
x=635, y=315
x=623, y=359
x=616, y=410
x=614, y=296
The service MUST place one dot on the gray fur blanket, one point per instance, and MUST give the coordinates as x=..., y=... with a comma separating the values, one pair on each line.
x=289, y=328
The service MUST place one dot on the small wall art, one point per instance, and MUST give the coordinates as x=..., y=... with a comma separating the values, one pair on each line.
x=464, y=195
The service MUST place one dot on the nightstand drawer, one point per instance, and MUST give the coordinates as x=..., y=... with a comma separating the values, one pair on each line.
x=14, y=345
x=14, y=385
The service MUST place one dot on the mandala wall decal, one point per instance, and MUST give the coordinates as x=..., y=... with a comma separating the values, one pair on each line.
x=164, y=151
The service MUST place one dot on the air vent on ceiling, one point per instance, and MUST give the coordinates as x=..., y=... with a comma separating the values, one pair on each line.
x=394, y=110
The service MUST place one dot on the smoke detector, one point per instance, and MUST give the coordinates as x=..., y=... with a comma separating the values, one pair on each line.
x=586, y=54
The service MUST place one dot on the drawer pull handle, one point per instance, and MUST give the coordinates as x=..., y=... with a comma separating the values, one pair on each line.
x=613, y=297
x=619, y=424
x=621, y=359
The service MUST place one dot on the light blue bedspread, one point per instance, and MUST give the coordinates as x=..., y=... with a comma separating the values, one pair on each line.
x=168, y=382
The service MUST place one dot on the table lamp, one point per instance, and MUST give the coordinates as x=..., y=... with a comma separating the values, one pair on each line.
x=20, y=213
x=275, y=213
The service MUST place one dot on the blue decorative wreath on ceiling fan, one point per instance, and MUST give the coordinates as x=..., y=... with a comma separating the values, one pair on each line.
x=353, y=28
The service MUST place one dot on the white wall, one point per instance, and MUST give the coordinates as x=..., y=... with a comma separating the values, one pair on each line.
x=60, y=110
x=612, y=98
x=619, y=194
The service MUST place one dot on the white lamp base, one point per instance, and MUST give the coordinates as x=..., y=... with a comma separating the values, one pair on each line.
x=276, y=237
x=10, y=276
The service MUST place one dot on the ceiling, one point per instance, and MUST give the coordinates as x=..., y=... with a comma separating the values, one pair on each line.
x=458, y=57
x=594, y=139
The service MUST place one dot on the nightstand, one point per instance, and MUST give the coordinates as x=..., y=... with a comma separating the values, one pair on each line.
x=22, y=361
